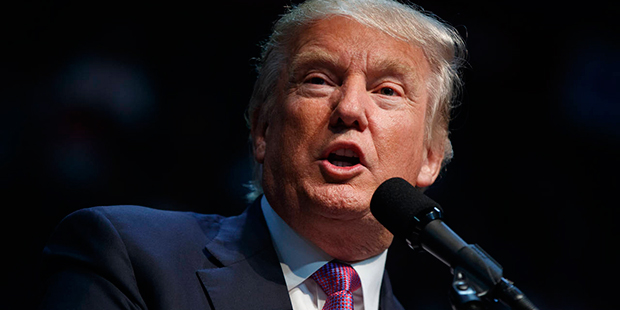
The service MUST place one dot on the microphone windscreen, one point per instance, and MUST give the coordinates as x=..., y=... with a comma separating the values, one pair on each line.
x=396, y=203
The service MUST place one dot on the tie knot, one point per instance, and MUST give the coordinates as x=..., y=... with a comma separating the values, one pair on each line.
x=334, y=277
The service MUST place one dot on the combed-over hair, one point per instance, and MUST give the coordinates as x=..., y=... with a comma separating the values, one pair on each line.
x=442, y=46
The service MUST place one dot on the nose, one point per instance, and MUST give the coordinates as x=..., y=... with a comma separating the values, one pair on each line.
x=350, y=108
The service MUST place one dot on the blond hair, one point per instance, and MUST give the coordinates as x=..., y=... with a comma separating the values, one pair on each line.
x=443, y=47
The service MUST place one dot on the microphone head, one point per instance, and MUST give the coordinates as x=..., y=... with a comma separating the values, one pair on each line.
x=402, y=208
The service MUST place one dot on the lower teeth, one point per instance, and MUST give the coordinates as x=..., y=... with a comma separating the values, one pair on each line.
x=341, y=164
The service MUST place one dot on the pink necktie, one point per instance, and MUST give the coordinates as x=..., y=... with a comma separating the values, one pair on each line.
x=338, y=281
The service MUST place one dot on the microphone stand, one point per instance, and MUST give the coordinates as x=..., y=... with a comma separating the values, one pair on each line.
x=477, y=276
x=478, y=279
x=462, y=294
x=416, y=217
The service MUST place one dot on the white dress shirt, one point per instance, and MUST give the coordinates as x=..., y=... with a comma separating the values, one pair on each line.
x=299, y=259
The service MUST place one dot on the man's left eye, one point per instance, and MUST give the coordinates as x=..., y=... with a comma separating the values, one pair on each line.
x=387, y=91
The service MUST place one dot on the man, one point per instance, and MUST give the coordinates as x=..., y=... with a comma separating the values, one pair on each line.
x=349, y=94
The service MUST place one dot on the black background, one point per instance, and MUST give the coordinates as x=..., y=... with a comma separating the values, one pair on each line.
x=141, y=103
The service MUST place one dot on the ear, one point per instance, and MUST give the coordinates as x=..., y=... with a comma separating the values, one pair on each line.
x=431, y=166
x=259, y=143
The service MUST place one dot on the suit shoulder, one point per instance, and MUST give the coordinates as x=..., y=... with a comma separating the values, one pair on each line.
x=133, y=212
x=124, y=251
x=144, y=225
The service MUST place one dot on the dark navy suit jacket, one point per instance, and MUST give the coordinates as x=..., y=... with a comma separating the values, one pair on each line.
x=130, y=257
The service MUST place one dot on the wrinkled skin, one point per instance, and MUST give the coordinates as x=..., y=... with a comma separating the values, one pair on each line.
x=351, y=88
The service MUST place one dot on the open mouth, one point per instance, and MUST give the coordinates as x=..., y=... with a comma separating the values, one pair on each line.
x=343, y=158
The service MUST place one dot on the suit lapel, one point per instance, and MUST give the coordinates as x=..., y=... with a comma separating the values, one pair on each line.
x=246, y=272
x=387, y=300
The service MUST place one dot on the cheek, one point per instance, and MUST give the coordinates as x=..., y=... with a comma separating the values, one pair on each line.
x=306, y=118
x=400, y=148
x=297, y=125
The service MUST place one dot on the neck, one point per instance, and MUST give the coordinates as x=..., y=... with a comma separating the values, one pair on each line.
x=349, y=240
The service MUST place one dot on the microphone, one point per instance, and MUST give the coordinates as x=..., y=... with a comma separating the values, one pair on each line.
x=407, y=213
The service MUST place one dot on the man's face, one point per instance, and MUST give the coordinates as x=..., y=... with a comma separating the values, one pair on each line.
x=351, y=115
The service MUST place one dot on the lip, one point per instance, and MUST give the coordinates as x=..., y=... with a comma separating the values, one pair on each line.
x=336, y=173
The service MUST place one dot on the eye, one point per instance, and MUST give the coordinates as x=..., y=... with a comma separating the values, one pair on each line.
x=316, y=81
x=387, y=91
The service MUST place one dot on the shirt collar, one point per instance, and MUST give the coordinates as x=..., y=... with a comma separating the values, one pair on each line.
x=300, y=258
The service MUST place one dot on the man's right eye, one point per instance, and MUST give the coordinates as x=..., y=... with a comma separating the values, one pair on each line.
x=316, y=81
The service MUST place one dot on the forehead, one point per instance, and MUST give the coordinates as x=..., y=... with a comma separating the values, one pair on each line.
x=343, y=41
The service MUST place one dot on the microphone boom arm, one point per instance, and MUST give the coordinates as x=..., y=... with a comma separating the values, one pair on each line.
x=476, y=273
x=406, y=212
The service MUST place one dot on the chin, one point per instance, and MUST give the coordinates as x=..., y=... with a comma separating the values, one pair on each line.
x=340, y=200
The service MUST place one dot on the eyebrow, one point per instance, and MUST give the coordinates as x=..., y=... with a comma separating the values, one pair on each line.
x=323, y=58
x=391, y=65
x=312, y=58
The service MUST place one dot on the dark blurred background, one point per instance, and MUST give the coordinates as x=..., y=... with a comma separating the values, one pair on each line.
x=140, y=103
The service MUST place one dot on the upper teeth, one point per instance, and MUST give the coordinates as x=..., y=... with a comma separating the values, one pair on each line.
x=345, y=152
